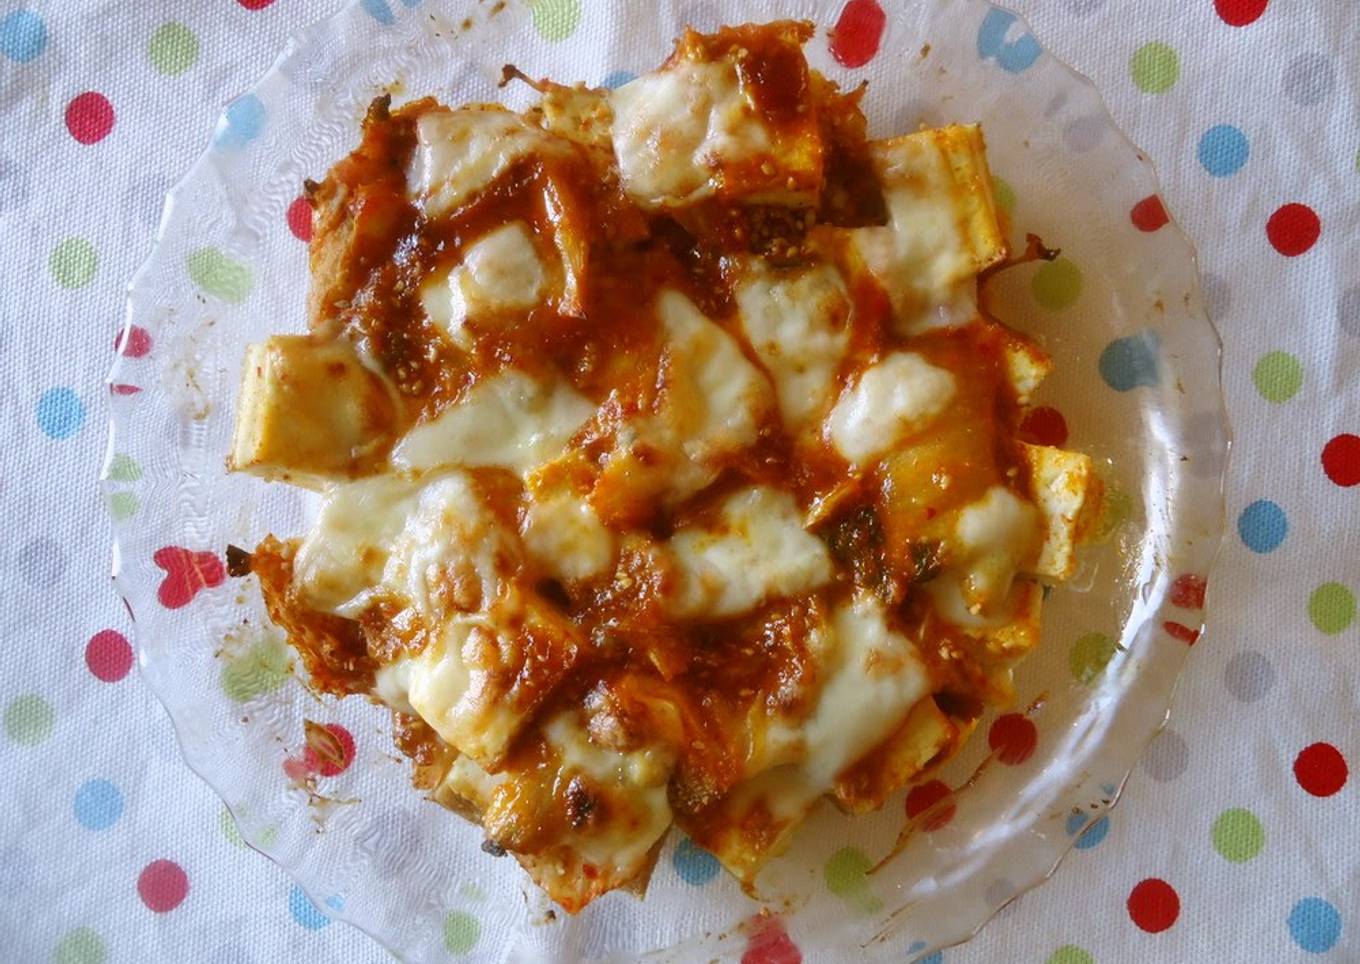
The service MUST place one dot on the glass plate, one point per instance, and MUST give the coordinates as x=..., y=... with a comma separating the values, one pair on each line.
x=1137, y=386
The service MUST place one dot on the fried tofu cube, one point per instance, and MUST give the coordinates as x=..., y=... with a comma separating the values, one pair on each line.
x=309, y=411
x=942, y=228
x=1067, y=491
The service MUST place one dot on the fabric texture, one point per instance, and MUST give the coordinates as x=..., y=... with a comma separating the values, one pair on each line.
x=1236, y=838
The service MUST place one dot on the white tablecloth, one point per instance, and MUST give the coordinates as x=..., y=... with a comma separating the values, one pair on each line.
x=1239, y=837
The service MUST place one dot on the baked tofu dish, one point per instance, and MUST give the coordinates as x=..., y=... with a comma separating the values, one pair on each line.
x=669, y=469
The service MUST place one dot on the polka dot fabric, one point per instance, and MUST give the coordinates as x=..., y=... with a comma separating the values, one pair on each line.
x=1236, y=832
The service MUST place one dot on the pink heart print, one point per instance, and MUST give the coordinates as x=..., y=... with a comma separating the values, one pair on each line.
x=186, y=572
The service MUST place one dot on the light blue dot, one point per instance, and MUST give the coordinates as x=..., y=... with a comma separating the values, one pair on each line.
x=241, y=123
x=1127, y=363
x=618, y=78
x=935, y=958
x=1090, y=834
x=694, y=864
x=1013, y=56
x=98, y=805
x=23, y=35
x=60, y=413
x=1315, y=925
x=305, y=912
x=381, y=10
x=1262, y=526
x=1223, y=150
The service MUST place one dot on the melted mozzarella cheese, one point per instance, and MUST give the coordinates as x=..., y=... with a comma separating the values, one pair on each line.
x=562, y=533
x=757, y=551
x=509, y=420
x=500, y=278
x=392, y=686
x=798, y=326
x=993, y=535
x=891, y=400
x=712, y=396
x=460, y=152
x=674, y=128
x=431, y=544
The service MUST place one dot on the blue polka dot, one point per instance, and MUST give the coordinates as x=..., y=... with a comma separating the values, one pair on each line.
x=1127, y=363
x=381, y=10
x=1262, y=526
x=60, y=413
x=306, y=913
x=618, y=78
x=1315, y=925
x=1090, y=834
x=23, y=35
x=1013, y=56
x=98, y=805
x=1223, y=150
x=241, y=122
x=935, y=958
x=694, y=864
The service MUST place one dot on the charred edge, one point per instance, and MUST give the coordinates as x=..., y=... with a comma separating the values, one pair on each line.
x=238, y=562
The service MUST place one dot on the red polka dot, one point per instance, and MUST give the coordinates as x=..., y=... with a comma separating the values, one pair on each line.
x=134, y=342
x=1321, y=769
x=1187, y=591
x=769, y=943
x=1154, y=905
x=1341, y=460
x=89, y=117
x=108, y=655
x=330, y=749
x=1181, y=631
x=1044, y=426
x=1149, y=214
x=124, y=389
x=254, y=4
x=858, y=32
x=1293, y=229
x=300, y=219
x=922, y=798
x=163, y=885
x=1013, y=738
x=1239, y=13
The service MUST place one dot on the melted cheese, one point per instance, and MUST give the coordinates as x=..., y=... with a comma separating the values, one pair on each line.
x=432, y=545
x=992, y=537
x=562, y=533
x=501, y=277
x=758, y=550
x=509, y=420
x=460, y=152
x=797, y=325
x=674, y=128
x=891, y=400
x=942, y=227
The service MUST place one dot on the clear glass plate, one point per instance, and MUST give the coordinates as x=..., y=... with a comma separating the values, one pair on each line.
x=1137, y=384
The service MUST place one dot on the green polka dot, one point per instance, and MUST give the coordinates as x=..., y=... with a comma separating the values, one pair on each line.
x=258, y=670
x=1238, y=835
x=1155, y=68
x=173, y=49
x=122, y=505
x=461, y=932
x=28, y=719
x=219, y=275
x=1070, y=954
x=1057, y=284
x=74, y=262
x=1278, y=376
x=80, y=946
x=1116, y=509
x=227, y=824
x=556, y=19
x=1090, y=655
x=123, y=468
x=1004, y=194
x=845, y=870
x=1331, y=607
